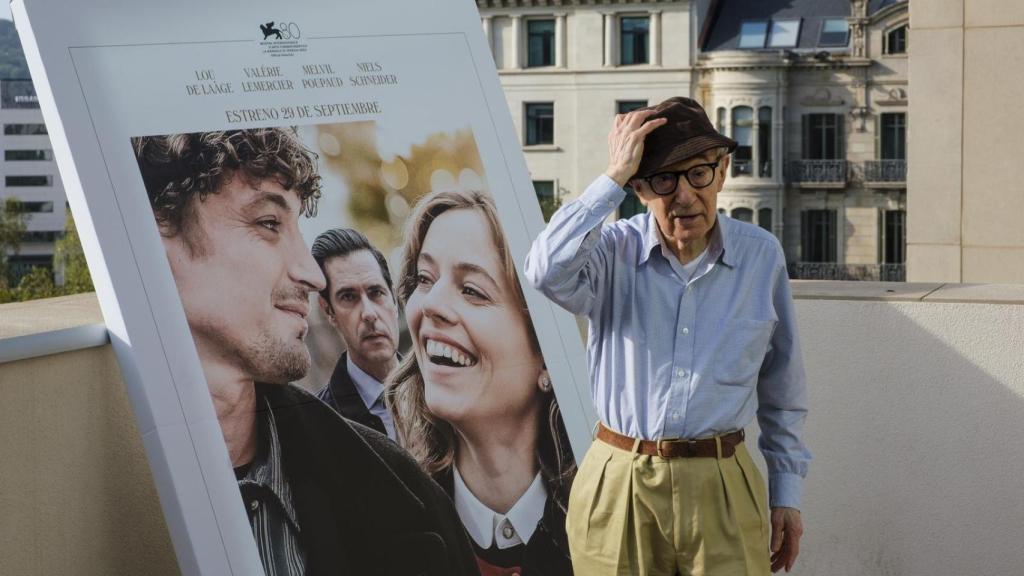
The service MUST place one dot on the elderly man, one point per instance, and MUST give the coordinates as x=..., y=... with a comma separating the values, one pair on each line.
x=692, y=332
x=324, y=496
x=359, y=301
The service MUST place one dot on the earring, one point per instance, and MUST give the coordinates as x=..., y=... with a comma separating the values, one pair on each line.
x=544, y=382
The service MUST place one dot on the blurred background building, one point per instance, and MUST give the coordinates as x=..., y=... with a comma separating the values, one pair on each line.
x=30, y=175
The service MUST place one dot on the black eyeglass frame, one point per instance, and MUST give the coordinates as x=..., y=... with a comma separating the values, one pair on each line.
x=677, y=173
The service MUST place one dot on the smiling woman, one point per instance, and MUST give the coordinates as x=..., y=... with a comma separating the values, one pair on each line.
x=474, y=403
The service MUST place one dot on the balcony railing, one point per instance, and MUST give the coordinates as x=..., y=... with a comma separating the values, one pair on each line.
x=832, y=271
x=885, y=171
x=742, y=167
x=818, y=171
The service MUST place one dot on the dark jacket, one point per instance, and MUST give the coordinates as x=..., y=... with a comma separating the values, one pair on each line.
x=364, y=506
x=547, y=552
x=341, y=394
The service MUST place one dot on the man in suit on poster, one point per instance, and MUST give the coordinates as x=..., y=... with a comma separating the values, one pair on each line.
x=360, y=304
x=323, y=495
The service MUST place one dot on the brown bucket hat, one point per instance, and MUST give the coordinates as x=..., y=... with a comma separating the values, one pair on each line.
x=687, y=133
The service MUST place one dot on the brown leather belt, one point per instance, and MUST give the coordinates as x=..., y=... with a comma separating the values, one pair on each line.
x=673, y=448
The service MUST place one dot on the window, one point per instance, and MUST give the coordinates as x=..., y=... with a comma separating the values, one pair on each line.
x=743, y=214
x=624, y=106
x=631, y=206
x=764, y=141
x=894, y=240
x=818, y=231
x=540, y=43
x=47, y=236
x=37, y=207
x=784, y=34
x=28, y=180
x=834, y=32
x=20, y=155
x=743, y=134
x=823, y=137
x=540, y=123
x=545, y=191
x=896, y=41
x=634, y=32
x=894, y=136
x=752, y=33
x=764, y=218
x=24, y=129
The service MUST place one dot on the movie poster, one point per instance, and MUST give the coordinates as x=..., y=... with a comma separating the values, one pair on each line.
x=309, y=231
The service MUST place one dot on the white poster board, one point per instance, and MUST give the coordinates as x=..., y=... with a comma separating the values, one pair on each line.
x=394, y=100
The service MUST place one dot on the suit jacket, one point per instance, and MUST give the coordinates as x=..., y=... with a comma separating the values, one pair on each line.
x=341, y=394
x=547, y=552
x=364, y=506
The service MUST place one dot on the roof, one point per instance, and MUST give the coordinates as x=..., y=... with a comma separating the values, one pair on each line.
x=877, y=5
x=725, y=29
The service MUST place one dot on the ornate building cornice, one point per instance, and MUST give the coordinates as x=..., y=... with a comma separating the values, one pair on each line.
x=499, y=4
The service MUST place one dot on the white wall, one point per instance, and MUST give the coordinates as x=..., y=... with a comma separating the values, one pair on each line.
x=916, y=413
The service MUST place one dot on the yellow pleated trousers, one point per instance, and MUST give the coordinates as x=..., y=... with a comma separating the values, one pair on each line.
x=636, y=515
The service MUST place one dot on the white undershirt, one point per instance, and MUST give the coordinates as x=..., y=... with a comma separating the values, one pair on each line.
x=486, y=526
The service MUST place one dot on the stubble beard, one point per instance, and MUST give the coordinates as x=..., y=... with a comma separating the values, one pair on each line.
x=274, y=360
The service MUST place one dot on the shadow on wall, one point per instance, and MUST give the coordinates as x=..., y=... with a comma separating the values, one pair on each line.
x=916, y=412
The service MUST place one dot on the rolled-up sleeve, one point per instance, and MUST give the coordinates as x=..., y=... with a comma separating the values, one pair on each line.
x=782, y=403
x=569, y=260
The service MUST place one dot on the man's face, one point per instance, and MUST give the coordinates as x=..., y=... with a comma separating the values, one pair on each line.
x=245, y=289
x=362, y=308
x=689, y=213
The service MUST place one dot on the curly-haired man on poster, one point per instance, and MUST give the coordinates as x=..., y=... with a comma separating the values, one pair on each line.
x=323, y=495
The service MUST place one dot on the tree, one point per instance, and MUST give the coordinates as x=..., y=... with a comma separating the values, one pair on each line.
x=12, y=228
x=35, y=285
x=69, y=259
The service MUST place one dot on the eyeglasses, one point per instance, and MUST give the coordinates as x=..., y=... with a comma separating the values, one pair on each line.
x=665, y=183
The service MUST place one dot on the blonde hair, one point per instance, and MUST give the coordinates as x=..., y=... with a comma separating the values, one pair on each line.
x=429, y=439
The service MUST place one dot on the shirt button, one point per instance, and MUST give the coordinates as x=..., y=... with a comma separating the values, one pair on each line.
x=680, y=372
x=686, y=330
x=508, y=532
x=254, y=505
x=675, y=415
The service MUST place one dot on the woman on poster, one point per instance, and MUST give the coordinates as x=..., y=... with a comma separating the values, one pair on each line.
x=474, y=403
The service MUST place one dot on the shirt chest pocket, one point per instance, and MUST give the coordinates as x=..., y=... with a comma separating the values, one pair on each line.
x=740, y=351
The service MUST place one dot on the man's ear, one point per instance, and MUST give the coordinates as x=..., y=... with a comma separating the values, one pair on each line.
x=723, y=164
x=325, y=307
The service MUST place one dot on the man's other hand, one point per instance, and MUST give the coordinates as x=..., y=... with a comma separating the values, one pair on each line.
x=787, y=528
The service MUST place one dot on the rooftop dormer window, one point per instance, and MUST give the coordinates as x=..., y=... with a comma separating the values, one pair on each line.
x=835, y=32
x=753, y=33
x=784, y=33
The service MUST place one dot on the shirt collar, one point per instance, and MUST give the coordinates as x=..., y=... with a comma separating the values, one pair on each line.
x=485, y=525
x=718, y=246
x=368, y=388
x=266, y=470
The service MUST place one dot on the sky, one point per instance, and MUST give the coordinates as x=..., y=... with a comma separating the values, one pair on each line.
x=5, y=11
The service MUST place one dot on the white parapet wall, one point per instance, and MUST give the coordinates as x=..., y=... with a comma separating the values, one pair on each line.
x=917, y=411
x=917, y=401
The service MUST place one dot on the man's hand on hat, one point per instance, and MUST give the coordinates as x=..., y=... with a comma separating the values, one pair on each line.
x=626, y=143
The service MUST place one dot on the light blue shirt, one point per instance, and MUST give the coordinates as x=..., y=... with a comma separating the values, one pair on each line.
x=675, y=356
x=372, y=394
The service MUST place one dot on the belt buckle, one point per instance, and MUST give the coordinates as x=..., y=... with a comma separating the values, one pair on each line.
x=690, y=445
x=661, y=442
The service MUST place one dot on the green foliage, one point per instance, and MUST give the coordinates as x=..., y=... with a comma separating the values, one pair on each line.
x=38, y=283
x=12, y=227
x=69, y=256
x=12, y=59
x=549, y=206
